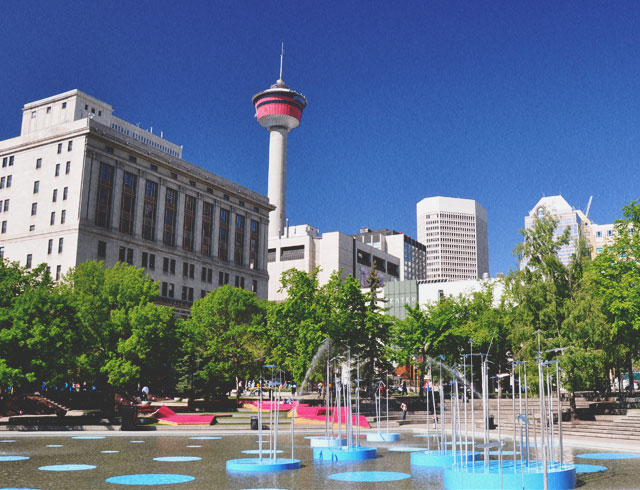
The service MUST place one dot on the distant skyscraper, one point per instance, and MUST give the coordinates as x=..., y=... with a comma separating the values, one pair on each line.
x=278, y=109
x=455, y=234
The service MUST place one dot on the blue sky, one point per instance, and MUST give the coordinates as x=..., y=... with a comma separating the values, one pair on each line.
x=501, y=102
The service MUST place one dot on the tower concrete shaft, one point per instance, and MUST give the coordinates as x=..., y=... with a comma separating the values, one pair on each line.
x=277, y=179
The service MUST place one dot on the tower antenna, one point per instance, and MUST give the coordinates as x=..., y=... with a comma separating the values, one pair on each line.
x=281, y=58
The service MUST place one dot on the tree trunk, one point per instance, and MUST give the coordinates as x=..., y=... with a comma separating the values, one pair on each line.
x=630, y=367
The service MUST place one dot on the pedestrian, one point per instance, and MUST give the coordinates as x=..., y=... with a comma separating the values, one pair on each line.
x=145, y=393
x=404, y=410
x=403, y=387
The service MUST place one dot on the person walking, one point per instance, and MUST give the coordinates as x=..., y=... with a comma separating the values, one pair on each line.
x=404, y=410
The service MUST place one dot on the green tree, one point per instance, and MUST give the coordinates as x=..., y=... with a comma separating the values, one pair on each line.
x=616, y=281
x=123, y=334
x=221, y=340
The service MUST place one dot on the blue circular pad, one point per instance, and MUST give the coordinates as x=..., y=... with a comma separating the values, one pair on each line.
x=608, y=456
x=172, y=459
x=88, y=437
x=589, y=468
x=205, y=437
x=13, y=458
x=68, y=467
x=370, y=476
x=150, y=479
x=406, y=449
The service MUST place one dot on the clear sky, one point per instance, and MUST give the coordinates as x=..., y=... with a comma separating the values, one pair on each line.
x=498, y=101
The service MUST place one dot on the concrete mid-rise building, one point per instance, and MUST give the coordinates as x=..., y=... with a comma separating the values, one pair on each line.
x=412, y=253
x=455, y=234
x=81, y=184
x=302, y=247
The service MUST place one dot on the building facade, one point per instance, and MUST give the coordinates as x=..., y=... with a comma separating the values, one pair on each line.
x=302, y=247
x=81, y=184
x=412, y=254
x=455, y=234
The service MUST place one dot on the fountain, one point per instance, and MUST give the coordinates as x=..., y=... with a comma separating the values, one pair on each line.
x=271, y=462
x=380, y=436
x=440, y=456
x=351, y=451
x=544, y=469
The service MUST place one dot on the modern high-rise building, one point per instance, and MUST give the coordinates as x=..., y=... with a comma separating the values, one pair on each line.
x=81, y=184
x=455, y=234
x=412, y=254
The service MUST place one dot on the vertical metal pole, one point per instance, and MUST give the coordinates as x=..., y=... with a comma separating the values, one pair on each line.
x=526, y=405
x=466, y=421
x=443, y=436
x=473, y=418
x=559, y=412
x=543, y=423
x=387, y=392
x=513, y=407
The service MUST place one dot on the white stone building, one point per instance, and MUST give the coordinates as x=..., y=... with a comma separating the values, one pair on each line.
x=455, y=233
x=81, y=184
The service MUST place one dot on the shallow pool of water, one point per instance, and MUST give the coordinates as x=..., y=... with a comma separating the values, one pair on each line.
x=202, y=466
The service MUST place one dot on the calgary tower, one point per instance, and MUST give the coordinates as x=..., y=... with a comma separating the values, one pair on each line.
x=278, y=109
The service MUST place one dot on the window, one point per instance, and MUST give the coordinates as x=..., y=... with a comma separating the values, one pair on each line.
x=60, y=245
x=53, y=218
x=9, y=183
x=58, y=272
x=108, y=149
x=59, y=147
x=4, y=162
x=220, y=278
x=153, y=167
x=145, y=257
x=165, y=264
x=185, y=269
x=225, y=197
x=64, y=105
x=190, y=297
x=223, y=235
x=192, y=269
x=49, y=110
x=170, y=209
x=67, y=168
x=172, y=266
x=2, y=182
x=184, y=293
x=36, y=187
x=132, y=159
x=1, y=252
x=171, y=290
x=254, y=286
x=189, y=223
x=238, y=252
x=207, y=229
x=609, y=232
x=128, y=203
x=33, y=114
x=55, y=195
x=152, y=261
x=65, y=193
x=38, y=163
x=29, y=259
x=130, y=256
x=102, y=249
x=11, y=161
x=32, y=227
x=50, y=246
x=63, y=216
x=57, y=169
x=104, y=195
x=254, y=240
x=70, y=146
x=34, y=208
x=6, y=205
x=149, y=210
x=164, y=289
x=210, y=275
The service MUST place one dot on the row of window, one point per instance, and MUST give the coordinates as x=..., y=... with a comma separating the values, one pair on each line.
x=4, y=206
x=7, y=161
x=29, y=263
x=149, y=218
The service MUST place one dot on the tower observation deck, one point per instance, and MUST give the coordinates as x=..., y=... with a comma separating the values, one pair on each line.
x=278, y=109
